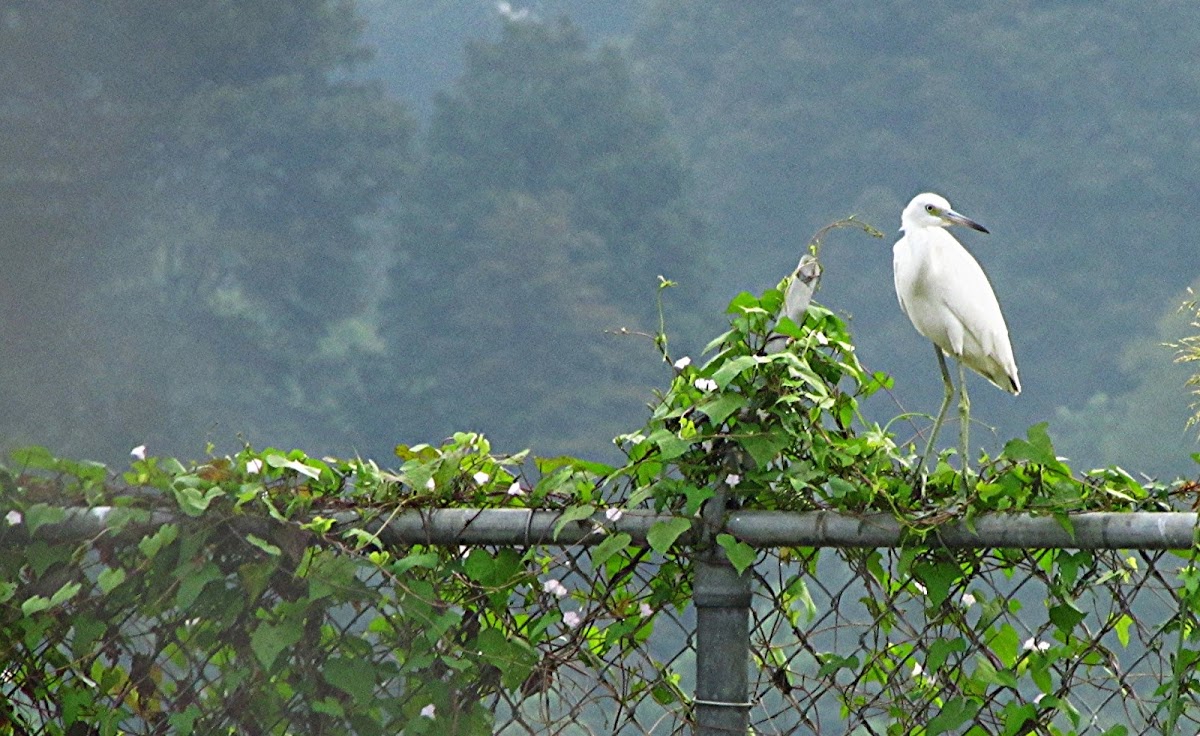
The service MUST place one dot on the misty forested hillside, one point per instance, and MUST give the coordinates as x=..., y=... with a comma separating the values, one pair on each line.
x=343, y=226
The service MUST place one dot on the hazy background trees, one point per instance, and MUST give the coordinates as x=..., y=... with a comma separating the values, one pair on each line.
x=344, y=225
x=190, y=254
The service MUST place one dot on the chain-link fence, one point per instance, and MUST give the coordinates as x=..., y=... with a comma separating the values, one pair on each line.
x=1005, y=650
x=178, y=626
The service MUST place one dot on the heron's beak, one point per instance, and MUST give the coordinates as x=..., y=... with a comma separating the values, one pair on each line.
x=957, y=219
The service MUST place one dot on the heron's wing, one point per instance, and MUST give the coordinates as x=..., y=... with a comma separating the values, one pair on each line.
x=985, y=343
x=900, y=260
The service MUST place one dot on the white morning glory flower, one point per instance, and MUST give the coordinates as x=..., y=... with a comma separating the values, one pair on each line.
x=555, y=588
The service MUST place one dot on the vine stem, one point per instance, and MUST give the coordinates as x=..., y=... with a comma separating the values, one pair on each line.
x=1175, y=704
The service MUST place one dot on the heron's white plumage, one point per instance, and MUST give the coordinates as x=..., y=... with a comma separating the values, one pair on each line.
x=945, y=293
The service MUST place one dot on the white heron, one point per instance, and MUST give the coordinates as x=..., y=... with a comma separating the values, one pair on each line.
x=945, y=293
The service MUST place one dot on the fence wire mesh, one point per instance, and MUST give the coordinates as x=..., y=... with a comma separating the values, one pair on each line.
x=852, y=654
x=852, y=641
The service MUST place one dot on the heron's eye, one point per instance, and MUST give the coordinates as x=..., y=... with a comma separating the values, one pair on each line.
x=930, y=209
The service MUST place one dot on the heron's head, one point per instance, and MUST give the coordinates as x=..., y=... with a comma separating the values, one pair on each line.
x=932, y=210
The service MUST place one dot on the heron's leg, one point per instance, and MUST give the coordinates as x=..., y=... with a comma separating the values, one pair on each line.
x=937, y=423
x=964, y=416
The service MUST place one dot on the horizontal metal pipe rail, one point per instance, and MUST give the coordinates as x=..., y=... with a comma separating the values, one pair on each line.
x=524, y=527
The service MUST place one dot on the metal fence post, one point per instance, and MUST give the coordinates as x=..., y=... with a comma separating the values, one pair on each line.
x=722, y=599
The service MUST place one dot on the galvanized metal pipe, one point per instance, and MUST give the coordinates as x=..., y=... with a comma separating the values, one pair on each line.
x=523, y=527
x=722, y=599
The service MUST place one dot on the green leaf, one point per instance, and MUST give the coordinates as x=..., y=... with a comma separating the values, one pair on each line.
x=329, y=706
x=740, y=554
x=832, y=664
x=1121, y=625
x=319, y=525
x=171, y=466
x=573, y=514
x=1016, y=716
x=954, y=713
x=268, y=640
x=1069, y=564
x=765, y=447
x=696, y=496
x=417, y=474
x=416, y=559
x=495, y=570
x=34, y=458
x=479, y=565
x=1066, y=617
x=986, y=672
x=192, y=581
x=351, y=676
x=1006, y=644
x=1037, y=448
x=937, y=578
x=733, y=369
x=362, y=537
x=721, y=406
x=39, y=514
x=192, y=501
x=512, y=655
x=547, y=465
x=840, y=488
x=721, y=339
x=279, y=461
x=797, y=593
x=941, y=649
x=664, y=533
x=66, y=592
x=1064, y=520
x=263, y=544
x=183, y=723
x=109, y=578
x=743, y=301
x=151, y=544
x=670, y=445
x=34, y=604
x=611, y=545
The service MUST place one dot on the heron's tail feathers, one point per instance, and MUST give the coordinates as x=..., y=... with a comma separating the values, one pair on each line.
x=1002, y=375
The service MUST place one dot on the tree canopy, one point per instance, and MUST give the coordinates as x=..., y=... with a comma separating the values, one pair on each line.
x=550, y=197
